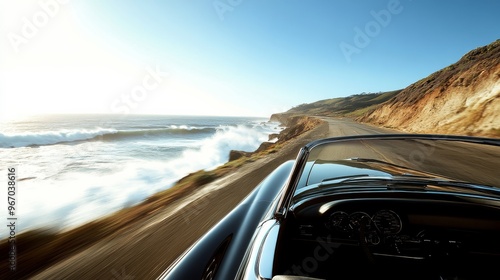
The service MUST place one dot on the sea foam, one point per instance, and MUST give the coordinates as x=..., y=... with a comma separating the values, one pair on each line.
x=78, y=187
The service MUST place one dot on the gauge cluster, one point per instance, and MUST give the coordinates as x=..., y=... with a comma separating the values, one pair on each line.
x=364, y=227
x=400, y=230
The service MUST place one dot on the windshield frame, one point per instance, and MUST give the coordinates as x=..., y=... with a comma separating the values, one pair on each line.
x=303, y=156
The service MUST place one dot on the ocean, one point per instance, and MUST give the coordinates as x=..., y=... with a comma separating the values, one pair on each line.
x=71, y=169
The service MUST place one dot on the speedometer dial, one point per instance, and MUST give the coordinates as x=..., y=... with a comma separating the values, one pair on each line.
x=387, y=222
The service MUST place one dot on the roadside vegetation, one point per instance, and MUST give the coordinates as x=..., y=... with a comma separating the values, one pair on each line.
x=351, y=106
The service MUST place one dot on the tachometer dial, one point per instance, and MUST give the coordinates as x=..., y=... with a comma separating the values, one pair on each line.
x=339, y=221
x=387, y=222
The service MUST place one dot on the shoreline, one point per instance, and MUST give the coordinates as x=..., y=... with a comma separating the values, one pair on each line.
x=100, y=170
x=48, y=248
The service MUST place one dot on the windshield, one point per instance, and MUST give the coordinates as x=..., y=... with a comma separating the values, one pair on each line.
x=465, y=159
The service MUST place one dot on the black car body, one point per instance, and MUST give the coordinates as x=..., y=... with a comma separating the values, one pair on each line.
x=396, y=206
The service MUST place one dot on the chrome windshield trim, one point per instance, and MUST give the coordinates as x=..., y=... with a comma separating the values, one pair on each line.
x=301, y=160
x=291, y=184
x=409, y=136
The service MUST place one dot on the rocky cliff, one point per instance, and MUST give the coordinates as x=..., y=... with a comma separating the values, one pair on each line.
x=463, y=98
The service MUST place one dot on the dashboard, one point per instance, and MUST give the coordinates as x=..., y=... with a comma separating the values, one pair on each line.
x=432, y=229
x=363, y=227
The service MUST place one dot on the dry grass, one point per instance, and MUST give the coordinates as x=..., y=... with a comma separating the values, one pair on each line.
x=353, y=105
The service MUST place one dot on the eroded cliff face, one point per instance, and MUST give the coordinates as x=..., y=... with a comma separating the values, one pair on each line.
x=463, y=99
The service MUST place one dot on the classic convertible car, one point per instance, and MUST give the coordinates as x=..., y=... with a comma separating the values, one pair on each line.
x=396, y=206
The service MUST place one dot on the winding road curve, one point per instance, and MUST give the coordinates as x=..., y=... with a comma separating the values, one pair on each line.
x=345, y=127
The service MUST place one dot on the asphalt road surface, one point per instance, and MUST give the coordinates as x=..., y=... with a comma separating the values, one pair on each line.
x=145, y=250
x=344, y=127
x=438, y=157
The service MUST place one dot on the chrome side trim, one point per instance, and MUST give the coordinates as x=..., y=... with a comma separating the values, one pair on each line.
x=267, y=253
x=259, y=264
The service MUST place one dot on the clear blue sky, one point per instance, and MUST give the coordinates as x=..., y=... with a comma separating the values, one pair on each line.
x=227, y=57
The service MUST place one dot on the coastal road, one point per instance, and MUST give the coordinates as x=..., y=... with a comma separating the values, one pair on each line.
x=438, y=158
x=146, y=248
x=345, y=127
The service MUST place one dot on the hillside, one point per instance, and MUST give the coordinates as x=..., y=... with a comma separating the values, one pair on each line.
x=463, y=98
x=351, y=106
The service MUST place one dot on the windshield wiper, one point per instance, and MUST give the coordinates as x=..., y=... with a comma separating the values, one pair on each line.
x=389, y=182
x=344, y=177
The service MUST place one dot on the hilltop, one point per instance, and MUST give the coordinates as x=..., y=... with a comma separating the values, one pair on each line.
x=351, y=106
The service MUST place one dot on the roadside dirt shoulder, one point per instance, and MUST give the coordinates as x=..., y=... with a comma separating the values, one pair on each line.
x=146, y=248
